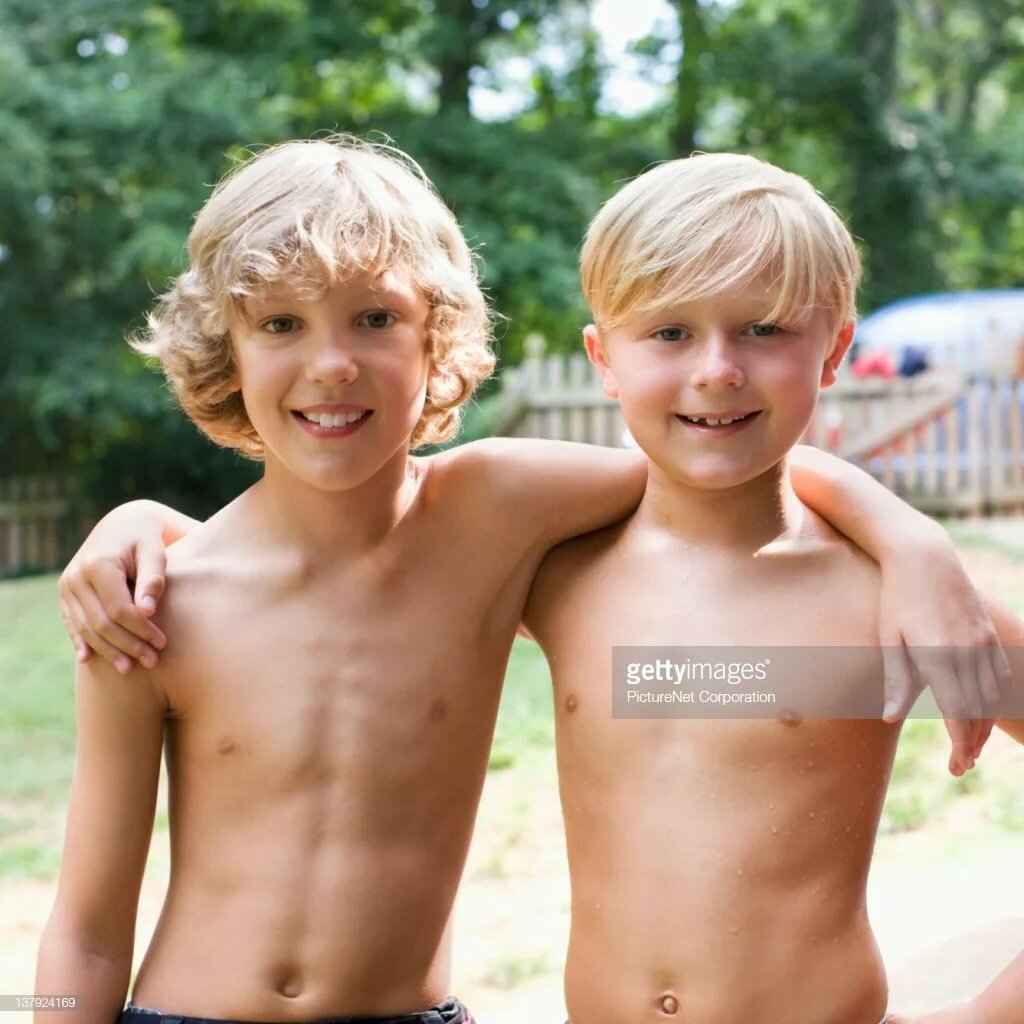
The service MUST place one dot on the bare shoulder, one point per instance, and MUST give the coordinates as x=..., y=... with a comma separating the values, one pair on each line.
x=841, y=576
x=546, y=491
x=206, y=566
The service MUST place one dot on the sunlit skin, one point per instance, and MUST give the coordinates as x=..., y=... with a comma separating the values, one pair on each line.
x=718, y=357
x=356, y=351
x=340, y=635
x=718, y=868
x=337, y=639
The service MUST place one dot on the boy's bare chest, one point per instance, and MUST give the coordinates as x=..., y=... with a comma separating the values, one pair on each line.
x=354, y=659
x=703, y=601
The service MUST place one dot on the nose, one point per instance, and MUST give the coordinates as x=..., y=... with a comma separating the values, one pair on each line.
x=717, y=365
x=332, y=361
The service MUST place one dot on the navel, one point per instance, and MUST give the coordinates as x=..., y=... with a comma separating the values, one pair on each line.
x=290, y=986
x=225, y=745
x=668, y=1004
x=439, y=710
x=790, y=718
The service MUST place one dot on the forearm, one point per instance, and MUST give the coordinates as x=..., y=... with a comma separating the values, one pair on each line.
x=1002, y=1001
x=97, y=981
x=858, y=506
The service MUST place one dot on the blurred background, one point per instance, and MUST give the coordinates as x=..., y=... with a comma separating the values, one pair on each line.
x=116, y=118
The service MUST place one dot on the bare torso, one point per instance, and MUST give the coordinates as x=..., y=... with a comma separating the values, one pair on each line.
x=326, y=749
x=718, y=867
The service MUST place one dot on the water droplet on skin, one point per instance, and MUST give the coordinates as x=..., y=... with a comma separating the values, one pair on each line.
x=775, y=831
x=739, y=871
x=811, y=815
x=771, y=807
x=810, y=764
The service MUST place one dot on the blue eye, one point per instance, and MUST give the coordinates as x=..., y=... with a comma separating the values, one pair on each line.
x=280, y=325
x=378, y=319
x=669, y=334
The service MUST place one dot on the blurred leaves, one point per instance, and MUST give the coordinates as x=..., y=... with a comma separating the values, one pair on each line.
x=117, y=116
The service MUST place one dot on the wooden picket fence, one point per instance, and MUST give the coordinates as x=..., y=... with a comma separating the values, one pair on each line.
x=39, y=526
x=949, y=442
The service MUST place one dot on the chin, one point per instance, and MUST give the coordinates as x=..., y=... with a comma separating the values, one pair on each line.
x=714, y=476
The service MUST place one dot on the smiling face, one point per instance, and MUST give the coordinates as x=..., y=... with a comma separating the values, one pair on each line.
x=712, y=391
x=334, y=384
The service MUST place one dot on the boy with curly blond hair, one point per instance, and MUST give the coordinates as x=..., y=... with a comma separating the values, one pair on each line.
x=339, y=633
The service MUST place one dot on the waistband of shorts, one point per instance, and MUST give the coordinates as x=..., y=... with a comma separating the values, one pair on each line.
x=449, y=1011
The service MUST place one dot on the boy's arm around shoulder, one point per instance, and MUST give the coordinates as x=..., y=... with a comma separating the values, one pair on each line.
x=553, y=490
x=87, y=945
x=112, y=586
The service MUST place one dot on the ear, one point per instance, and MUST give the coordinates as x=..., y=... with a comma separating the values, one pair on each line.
x=597, y=355
x=840, y=347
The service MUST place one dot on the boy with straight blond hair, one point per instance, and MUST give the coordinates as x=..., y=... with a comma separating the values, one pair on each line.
x=338, y=635
x=722, y=290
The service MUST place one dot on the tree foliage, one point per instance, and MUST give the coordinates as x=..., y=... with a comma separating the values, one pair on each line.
x=117, y=116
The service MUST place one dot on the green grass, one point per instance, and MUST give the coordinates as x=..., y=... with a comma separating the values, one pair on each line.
x=526, y=717
x=37, y=695
x=30, y=860
x=967, y=535
x=508, y=972
x=918, y=788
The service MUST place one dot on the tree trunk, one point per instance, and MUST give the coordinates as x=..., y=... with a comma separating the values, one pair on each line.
x=886, y=206
x=694, y=36
x=457, y=53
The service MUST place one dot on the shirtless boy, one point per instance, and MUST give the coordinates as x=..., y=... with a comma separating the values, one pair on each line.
x=339, y=633
x=722, y=289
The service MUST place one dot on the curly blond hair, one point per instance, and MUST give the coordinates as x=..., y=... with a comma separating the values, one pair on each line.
x=313, y=213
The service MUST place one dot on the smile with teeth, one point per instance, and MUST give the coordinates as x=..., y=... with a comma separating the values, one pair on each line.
x=707, y=421
x=336, y=419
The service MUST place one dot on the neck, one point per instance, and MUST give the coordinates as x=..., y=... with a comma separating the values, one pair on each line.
x=743, y=519
x=325, y=524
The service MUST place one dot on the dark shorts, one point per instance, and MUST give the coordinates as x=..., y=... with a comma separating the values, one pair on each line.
x=451, y=1011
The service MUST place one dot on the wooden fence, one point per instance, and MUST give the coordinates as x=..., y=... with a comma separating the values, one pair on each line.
x=39, y=528
x=949, y=442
